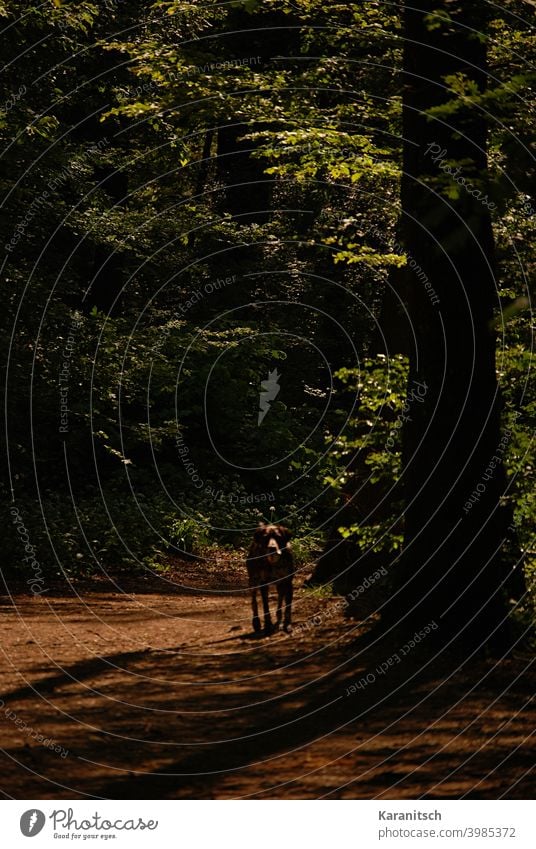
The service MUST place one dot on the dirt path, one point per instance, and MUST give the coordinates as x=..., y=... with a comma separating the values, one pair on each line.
x=155, y=690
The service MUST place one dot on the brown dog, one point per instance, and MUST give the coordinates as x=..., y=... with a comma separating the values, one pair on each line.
x=270, y=561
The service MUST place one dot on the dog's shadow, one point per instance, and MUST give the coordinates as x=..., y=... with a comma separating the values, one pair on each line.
x=254, y=637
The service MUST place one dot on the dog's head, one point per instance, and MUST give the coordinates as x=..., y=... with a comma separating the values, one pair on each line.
x=270, y=542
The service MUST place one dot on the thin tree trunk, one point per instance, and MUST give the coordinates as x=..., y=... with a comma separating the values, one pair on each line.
x=204, y=165
x=247, y=188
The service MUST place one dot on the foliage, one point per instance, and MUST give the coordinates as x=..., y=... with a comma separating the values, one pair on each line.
x=139, y=270
x=367, y=452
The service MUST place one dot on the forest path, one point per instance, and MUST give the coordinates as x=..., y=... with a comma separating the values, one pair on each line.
x=149, y=689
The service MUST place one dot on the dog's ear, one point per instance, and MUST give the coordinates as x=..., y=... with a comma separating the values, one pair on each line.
x=259, y=533
x=285, y=533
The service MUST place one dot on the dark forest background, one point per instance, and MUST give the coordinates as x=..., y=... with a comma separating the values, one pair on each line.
x=196, y=195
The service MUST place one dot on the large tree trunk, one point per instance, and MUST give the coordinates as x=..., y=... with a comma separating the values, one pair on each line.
x=452, y=568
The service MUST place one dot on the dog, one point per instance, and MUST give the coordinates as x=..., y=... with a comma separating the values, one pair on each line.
x=270, y=561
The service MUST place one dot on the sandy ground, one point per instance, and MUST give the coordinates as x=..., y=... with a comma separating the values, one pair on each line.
x=156, y=688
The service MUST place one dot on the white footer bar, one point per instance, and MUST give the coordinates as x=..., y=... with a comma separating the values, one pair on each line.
x=245, y=824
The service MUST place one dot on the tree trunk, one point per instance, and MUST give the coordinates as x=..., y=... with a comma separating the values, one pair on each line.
x=452, y=569
x=247, y=188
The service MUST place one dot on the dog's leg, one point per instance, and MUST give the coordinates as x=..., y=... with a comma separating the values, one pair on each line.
x=255, y=608
x=280, y=598
x=268, y=627
x=289, y=591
